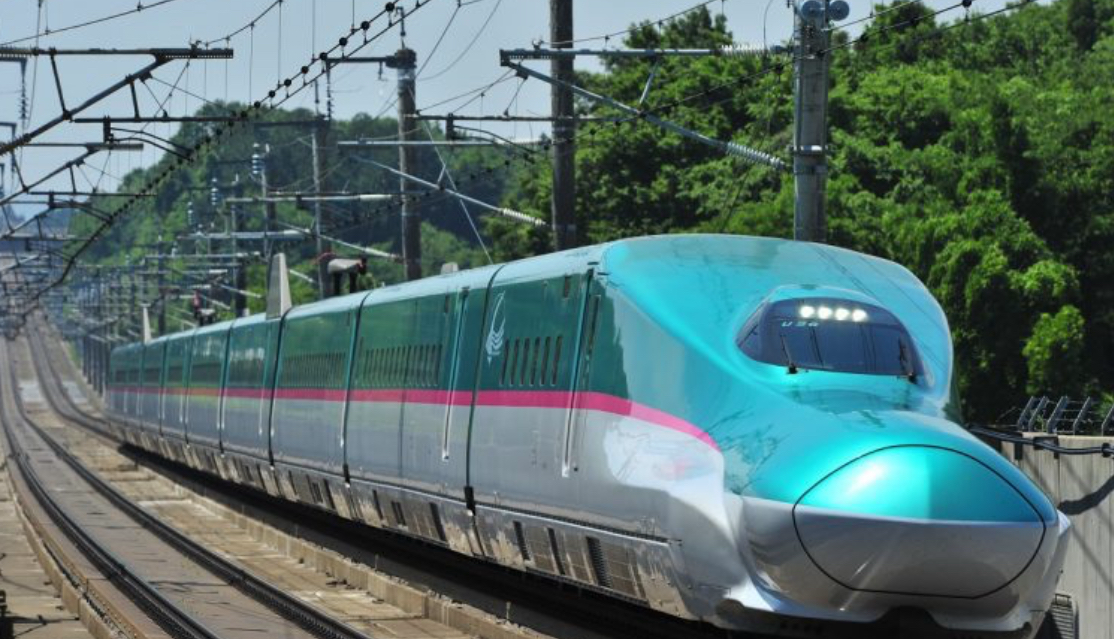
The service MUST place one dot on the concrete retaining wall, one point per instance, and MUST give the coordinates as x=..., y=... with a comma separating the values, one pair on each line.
x=1081, y=487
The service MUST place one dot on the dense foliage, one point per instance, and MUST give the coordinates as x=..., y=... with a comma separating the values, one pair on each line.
x=980, y=156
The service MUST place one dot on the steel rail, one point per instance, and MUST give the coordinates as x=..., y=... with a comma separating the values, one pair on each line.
x=304, y=615
x=175, y=621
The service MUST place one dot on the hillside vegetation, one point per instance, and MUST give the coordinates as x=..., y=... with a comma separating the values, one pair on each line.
x=980, y=156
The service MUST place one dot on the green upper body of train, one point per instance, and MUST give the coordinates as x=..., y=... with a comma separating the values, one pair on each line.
x=726, y=428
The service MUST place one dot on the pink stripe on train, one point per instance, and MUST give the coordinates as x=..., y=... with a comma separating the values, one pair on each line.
x=586, y=400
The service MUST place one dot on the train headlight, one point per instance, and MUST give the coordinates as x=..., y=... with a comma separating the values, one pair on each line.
x=842, y=314
x=808, y=312
x=824, y=313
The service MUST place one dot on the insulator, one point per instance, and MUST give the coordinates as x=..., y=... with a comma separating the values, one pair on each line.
x=838, y=10
x=810, y=9
x=747, y=50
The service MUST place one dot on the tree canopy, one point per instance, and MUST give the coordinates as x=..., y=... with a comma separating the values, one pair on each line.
x=980, y=155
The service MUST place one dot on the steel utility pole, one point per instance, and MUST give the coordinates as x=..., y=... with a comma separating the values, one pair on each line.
x=320, y=133
x=406, y=61
x=564, y=128
x=810, y=133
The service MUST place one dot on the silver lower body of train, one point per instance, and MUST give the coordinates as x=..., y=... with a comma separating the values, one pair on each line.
x=633, y=510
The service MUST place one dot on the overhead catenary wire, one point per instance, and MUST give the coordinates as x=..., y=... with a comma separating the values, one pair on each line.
x=249, y=25
x=475, y=38
x=778, y=67
x=88, y=23
x=272, y=100
x=608, y=36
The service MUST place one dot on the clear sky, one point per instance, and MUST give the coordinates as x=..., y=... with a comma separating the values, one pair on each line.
x=457, y=52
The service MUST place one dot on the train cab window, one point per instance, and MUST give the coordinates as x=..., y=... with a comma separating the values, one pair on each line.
x=830, y=334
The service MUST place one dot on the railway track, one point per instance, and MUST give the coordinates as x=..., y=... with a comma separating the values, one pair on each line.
x=137, y=527
x=164, y=575
x=519, y=599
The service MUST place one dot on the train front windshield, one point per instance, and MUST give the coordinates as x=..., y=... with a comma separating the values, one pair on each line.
x=832, y=335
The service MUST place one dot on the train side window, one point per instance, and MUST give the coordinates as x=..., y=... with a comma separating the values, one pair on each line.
x=514, y=361
x=400, y=366
x=427, y=368
x=535, y=360
x=525, y=362
x=400, y=377
x=556, y=358
x=437, y=365
x=545, y=362
x=506, y=361
x=408, y=380
x=432, y=366
x=592, y=325
x=437, y=352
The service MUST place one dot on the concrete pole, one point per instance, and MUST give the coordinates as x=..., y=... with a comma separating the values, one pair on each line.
x=133, y=300
x=810, y=166
x=161, y=279
x=239, y=274
x=405, y=61
x=269, y=217
x=320, y=133
x=564, y=129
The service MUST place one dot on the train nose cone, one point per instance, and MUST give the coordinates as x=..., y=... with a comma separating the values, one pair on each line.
x=918, y=520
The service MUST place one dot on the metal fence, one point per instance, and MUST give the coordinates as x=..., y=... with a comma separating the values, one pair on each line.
x=1065, y=416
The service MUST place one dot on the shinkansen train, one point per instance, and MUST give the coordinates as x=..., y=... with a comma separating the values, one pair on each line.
x=732, y=429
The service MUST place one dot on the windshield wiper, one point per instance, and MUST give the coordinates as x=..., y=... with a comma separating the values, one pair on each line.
x=788, y=355
x=906, y=364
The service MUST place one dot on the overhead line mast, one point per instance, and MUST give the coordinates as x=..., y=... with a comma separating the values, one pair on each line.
x=812, y=19
x=564, y=128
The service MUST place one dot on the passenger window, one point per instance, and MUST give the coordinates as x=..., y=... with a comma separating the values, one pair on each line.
x=556, y=359
x=506, y=360
x=535, y=362
x=525, y=362
x=545, y=362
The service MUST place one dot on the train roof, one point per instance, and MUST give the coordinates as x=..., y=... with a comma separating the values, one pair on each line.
x=701, y=283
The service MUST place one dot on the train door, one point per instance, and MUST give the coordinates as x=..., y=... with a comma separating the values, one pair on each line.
x=527, y=375
x=423, y=401
x=576, y=417
x=465, y=327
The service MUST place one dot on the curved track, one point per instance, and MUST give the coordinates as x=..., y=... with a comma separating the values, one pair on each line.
x=187, y=589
